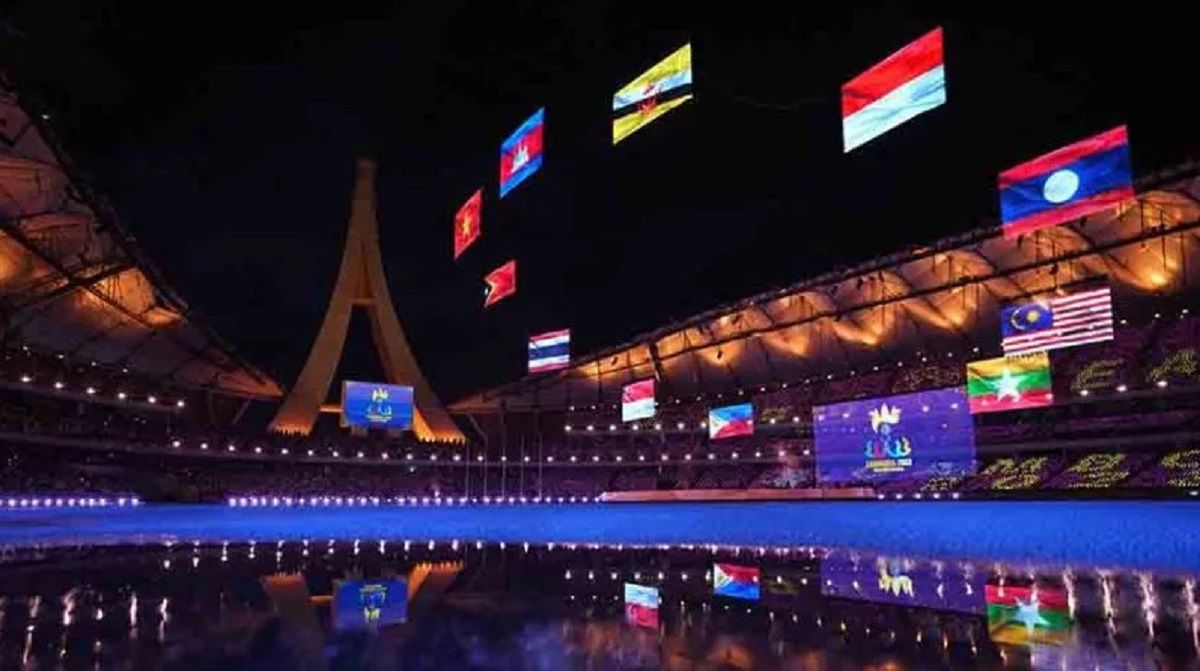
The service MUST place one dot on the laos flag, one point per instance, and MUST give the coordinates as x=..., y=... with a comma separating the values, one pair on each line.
x=521, y=153
x=1089, y=176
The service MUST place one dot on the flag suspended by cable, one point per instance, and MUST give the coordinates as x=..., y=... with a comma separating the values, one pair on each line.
x=521, y=153
x=1076, y=318
x=1089, y=176
x=467, y=223
x=501, y=283
x=550, y=351
x=910, y=82
x=662, y=88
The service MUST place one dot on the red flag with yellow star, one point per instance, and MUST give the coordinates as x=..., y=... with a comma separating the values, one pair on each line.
x=467, y=223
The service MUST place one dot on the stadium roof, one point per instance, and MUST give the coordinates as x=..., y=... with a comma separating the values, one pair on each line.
x=943, y=297
x=73, y=281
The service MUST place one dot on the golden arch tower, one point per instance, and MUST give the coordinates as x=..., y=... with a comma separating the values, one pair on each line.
x=361, y=283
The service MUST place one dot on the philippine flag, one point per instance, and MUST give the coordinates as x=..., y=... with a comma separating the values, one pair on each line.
x=730, y=421
x=1089, y=176
x=739, y=582
x=521, y=153
x=907, y=83
x=550, y=351
x=637, y=400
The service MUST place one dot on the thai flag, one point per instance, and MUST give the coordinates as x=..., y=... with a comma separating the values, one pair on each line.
x=1089, y=176
x=907, y=83
x=521, y=153
x=550, y=351
x=637, y=400
x=730, y=421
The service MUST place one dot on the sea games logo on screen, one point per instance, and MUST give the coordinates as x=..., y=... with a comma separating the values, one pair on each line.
x=887, y=450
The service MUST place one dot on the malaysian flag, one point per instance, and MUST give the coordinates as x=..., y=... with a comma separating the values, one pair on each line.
x=550, y=351
x=1061, y=321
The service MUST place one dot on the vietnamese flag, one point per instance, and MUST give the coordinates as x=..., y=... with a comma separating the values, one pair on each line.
x=1024, y=615
x=1009, y=383
x=467, y=223
x=501, y=283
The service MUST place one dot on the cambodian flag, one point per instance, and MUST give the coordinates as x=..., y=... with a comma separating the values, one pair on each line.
x=550, y=351
x=641, y=605
x=739, y=582
x=730, y=421
x=1089, y=176
x=521, y=153
x=911, y=81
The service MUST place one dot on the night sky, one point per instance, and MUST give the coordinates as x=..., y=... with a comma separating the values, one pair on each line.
x=225, y=136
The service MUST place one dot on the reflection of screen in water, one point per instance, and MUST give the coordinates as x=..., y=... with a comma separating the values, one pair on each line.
x=920, y=435
x=370, y=404
x=739, y=582
x=641, y=605
x=906, y=582
x=367, y=604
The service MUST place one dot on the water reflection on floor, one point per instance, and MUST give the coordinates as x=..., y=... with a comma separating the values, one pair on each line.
x=277, y=605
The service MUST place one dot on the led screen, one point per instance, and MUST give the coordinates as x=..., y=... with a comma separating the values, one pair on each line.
x=919, y=435
x=373, y=404
x=739, y=582
x=368, y=604
x=730, y=421
x=637, y=401
x=641, y=605
x=905, y=582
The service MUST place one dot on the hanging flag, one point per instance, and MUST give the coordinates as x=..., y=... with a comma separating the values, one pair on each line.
x=521, y=153
x=501, y=283
x=467, y=223
x=1089, y=176
x=907, y=83
x=641, y=605
x=730, y=421
x=662, y=88
x=637, y=400
x=1009, y=383
x=550, y=351
x=1059, y=321
x=739, y=582
x=1024, y=615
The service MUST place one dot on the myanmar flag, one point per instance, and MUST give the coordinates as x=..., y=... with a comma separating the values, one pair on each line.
x=1024, y=615
x=1009, y=383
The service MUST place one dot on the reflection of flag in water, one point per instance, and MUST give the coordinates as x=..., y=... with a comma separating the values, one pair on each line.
x=655, y=92
x=739, y=582
x=1059, y=321
x=1080, y=179
x=501, y=283
x=521, y=153
x=637, y=400
x=550, y=351
x=1022, y=615
x=467, y=224
x=905, y=84
x=1009, y=383
x=730, y=421
x=641, y=605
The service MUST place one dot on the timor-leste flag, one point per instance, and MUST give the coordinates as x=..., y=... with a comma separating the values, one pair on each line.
x=467, y=224
x=1084, y=178
x=501, y=283
x=1023, y=615
x=1009, y=383
x=662, y=88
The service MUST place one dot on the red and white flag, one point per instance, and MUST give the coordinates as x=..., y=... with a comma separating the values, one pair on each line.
x=907, y=83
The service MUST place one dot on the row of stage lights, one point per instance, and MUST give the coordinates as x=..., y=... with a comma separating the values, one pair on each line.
x=26, y=502
x=458, y=458
x=376, y=501
x=59, y=385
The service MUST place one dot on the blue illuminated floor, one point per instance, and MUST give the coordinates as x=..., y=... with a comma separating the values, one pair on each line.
x=1130, y=534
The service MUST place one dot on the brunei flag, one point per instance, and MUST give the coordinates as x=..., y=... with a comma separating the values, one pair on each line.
x=1089, y=176
x=1024, y=615
x=501, y=283
x=655, y=92
x=1009, y=383
x=467, y=224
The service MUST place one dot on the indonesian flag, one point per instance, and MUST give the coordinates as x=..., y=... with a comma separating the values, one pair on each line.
x=467, y=223
x=501, y=283
x=907, y=83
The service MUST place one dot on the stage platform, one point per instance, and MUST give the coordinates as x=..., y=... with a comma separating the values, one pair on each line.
x=700, y=495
